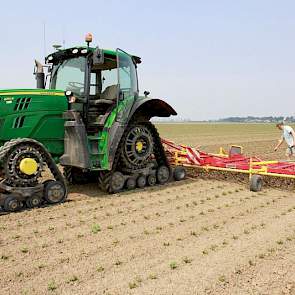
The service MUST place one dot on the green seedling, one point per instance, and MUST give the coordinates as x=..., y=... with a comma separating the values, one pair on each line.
x=51, y=286
x=222, y=279
x=100, y=268
x=95, y=228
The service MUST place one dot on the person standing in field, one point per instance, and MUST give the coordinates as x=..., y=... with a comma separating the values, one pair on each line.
x=289, y=137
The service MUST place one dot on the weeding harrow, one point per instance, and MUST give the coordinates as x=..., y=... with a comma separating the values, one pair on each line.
x=234, y=161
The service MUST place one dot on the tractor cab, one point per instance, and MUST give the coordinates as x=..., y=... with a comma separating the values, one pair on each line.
x=95, y=81
x=101, y=88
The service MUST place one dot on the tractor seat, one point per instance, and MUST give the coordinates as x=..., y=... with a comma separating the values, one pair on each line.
x=108, y=96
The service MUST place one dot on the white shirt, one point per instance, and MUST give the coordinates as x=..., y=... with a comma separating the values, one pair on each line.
x=288, y=136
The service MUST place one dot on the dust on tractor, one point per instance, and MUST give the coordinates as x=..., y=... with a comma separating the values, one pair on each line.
x=90, y=119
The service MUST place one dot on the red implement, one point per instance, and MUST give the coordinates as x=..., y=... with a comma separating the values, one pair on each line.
x=234, y=161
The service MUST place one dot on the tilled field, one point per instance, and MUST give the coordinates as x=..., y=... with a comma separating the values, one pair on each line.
x=193, y=237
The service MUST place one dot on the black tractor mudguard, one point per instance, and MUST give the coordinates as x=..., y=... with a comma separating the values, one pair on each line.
x=151, y=107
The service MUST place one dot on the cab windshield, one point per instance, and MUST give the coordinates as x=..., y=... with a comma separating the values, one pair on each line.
x=69, y=75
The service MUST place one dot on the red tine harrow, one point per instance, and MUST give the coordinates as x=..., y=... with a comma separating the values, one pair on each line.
x=233, y=161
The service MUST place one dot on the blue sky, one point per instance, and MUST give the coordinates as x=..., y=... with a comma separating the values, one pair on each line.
x=209, y=59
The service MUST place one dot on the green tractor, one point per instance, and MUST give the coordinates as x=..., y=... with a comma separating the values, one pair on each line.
x=90, y=119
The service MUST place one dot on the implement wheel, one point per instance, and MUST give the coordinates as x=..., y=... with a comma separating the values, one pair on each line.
x=54, y=192
x=256, y=183
x=179, y=173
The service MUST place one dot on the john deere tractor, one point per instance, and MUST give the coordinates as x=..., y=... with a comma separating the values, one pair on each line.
x=90, y=119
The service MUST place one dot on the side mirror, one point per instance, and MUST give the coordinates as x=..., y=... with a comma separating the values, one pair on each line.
x=146, y=93
x=98, y=57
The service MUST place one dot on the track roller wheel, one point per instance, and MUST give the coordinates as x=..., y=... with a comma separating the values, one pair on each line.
x=255, y=183
x=151, y=180
x=141, y=181
x=179, y=173
x=11, y=204
x=54, y=192
x=117, y=182
x=163, y=174
x=33, y=202
x=131, y=183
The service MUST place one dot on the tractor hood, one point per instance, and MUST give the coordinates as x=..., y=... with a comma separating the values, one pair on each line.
x=32, y=113
x=14, y=101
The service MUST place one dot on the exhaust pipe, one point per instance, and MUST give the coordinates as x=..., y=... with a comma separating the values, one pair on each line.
x=40, y=76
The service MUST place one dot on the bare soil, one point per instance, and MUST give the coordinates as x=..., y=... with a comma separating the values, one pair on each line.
x=198, y=236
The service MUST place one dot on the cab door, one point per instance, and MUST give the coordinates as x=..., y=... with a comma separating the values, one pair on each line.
x=127, y=85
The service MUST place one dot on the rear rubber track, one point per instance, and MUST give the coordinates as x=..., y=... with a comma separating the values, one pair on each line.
x=120, y=163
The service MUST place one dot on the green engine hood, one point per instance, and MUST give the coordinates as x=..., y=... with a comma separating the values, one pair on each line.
x=32, y=113
x=14, y=101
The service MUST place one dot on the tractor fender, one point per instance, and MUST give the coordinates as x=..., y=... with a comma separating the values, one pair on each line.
x=151, y=107
x=143, y=109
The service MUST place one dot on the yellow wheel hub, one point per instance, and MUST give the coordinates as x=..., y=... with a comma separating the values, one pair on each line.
x=28, y=166
x=139, y=146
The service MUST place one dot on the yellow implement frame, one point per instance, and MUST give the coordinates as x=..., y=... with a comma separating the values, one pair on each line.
x=179, y=156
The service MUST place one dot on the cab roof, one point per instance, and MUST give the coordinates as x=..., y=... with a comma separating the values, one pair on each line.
x=69, y=52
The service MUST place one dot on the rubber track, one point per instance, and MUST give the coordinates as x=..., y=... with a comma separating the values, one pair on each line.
x=105, y=176
x=159, y=151
x=9, y=145
x=159, y=154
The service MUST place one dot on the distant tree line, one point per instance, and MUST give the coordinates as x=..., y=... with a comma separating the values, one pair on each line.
x=269, y=119
x=248, y=119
